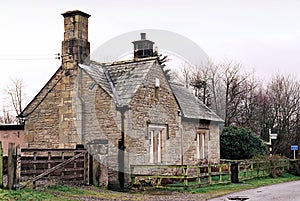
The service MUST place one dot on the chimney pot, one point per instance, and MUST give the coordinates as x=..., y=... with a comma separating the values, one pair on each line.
x=143, y=48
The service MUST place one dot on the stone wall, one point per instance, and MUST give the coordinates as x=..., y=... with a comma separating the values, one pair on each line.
x=51, y=118
x=98, y=120
x=189, y=131
x=49, y=122
x=212, y=144
x=157, y=109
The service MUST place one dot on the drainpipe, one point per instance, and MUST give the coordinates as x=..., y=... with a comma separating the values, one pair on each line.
x=181, y=136
x=181, y=145
x=121, y=142
x=121, y=147
x=82, y=107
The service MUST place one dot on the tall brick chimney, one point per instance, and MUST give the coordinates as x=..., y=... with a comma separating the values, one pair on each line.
x=75, y=46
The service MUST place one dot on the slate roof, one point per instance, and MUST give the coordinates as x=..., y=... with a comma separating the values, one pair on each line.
x=128, y=76
x=96, y=71
x=191, y=106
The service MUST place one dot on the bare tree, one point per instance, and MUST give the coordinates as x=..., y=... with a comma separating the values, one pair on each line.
x=246, y=111
x=241, y=100
x=199, y=81
x=16, y=95
x=235, y=90
x=7, y=117
x=284, y=93
x=186, y=71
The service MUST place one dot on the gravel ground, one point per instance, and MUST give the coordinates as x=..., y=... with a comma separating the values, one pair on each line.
x=158, y=195
x=127, y=196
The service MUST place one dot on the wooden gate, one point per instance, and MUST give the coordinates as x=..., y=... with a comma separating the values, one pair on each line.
x=53, y=165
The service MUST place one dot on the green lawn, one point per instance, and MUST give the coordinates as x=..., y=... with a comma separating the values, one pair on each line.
x=28, y=194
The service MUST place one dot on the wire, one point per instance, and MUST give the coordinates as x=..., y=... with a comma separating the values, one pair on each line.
x=57, y=56
x=20, y=59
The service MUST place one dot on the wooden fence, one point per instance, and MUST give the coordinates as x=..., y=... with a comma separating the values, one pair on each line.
x=180, y=175
x=53, y=165
x=192, y=176
x=254, y=169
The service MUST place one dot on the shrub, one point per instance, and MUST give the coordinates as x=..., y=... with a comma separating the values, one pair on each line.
x=240, y=143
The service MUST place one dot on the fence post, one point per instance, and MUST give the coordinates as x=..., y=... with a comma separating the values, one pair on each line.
x=18, y=167
x=75, y=164
x=49, y=166
x=11, y=171
x=34, y=167
x=251, y=171
x=1, y=166
x=85, y=168
x=209, y=173
x=185, y=172
x=132, y=176
x=220, y=173
x=198, y=174
x=63, y=158
x=234, y=168
x=245, y=169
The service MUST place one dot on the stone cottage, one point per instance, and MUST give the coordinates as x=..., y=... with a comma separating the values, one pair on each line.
x=124, y=113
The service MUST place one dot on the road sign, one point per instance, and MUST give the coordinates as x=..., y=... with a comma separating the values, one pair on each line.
x=273, y=136
x=294, y=147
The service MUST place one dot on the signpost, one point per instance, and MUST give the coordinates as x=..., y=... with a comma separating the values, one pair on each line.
x=272, y=136
x=294, y=148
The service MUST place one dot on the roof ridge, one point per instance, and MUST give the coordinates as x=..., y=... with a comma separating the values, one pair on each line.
x=134, y=60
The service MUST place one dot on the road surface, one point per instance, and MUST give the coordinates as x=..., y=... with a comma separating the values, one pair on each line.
x=289, y=191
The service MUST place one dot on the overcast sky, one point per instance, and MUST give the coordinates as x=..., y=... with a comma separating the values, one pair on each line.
x=261, y=35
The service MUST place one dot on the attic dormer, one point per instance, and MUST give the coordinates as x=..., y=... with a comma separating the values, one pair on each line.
x=143, y=48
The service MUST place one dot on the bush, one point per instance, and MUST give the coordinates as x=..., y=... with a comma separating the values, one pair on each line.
x=240, y=143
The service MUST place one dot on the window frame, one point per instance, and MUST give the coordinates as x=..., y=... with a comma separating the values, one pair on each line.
x=156, y=149
x=202, y=137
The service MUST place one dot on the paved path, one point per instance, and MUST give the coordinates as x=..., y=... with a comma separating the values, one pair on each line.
x=289, y=191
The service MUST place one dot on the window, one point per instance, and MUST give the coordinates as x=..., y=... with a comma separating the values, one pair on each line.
x=156, y=135
x=157, y=85
x=201, y=148
x=156, y=93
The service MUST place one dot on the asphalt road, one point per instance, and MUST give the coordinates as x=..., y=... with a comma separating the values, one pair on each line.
x=289, y=191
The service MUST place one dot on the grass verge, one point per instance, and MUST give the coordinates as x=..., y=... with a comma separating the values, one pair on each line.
x=223, y=189
x=68, y=193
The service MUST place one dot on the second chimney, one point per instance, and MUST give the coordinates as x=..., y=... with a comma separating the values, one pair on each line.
x=143, y=48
